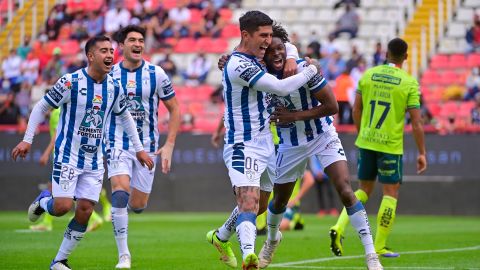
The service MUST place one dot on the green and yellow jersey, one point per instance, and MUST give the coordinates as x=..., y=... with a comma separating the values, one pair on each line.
x=53, y=123
x=387, y=92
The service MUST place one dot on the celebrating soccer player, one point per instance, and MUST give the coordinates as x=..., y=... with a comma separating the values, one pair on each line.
x=87, y=98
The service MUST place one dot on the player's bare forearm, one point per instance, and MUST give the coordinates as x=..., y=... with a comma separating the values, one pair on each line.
x=357, y=111
x=175, y=119
x=417, y=130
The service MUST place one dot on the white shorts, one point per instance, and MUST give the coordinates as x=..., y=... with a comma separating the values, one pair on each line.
x=248, y=162
x=121, y=162
x=71, y=182
x=292, y=160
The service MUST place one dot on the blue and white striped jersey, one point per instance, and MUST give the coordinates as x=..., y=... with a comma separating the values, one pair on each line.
x=143, y=88
x=300, y=132
x=85, y=109
x=245, y=108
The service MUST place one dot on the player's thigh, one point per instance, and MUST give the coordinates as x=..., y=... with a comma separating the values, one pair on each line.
x=89, y=185
x=65, y=179
x=142, y=177
x=367, y=165
x=119, y=162
x=291, y=163
x=390, y=168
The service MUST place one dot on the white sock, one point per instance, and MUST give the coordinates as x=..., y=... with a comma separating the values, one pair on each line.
x=71, y=238
x=44, y=202
x=228, y=228
x=120, y=229
x=359, y=221
x=246, y=233
x=273, y=224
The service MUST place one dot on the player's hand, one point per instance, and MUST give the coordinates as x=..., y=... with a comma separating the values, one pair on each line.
x=282, y=116
x=222, y=61
x=292, y=203
x=21, y=150
x=290, y=68
x=166, y=156
x=44, y=159
x=421, y=164
x=216, y=139
x=314, y=62
x=145, y=159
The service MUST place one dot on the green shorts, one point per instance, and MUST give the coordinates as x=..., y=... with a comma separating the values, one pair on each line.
x=388, y=167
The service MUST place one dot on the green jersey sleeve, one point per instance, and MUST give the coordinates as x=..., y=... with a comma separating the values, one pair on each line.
x=53, y=123
x=413, y=101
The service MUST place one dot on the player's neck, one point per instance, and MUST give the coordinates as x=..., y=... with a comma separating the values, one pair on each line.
x=243, y=49
x=131, y=65
x=97, y=76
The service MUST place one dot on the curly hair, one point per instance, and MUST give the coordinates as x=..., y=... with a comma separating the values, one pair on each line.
x=280, y=32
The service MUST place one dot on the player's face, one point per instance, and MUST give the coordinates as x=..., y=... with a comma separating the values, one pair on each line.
x=101, y=56
x=259, y=41
x=133, y=47
x=276, y=55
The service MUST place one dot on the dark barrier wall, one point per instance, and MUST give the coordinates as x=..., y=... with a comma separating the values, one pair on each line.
x=199, y=180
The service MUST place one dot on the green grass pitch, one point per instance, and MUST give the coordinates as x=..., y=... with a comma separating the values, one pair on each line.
x=177, y=241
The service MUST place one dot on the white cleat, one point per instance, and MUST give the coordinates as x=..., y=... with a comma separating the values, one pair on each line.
x=124, y=262
x=266, y=254
x=60, y=265
x=373, y=263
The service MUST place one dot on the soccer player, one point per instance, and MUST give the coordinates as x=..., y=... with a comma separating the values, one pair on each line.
x=305, y=129
x=78, y=163
x=145, y=85
x=248, y=140
x=383, y=96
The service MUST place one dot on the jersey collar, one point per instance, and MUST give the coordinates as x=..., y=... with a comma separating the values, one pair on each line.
x=128, y=70
x=84, y=70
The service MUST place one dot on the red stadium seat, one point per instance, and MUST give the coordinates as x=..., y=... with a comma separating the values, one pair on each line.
x=458, y=61
x=169, y=4
x=449, y=78
x=195, y=16
x=185, y=45
x=439, y=61
x=130, y=4
x=4, y=5
x=231, y=31
x=226, y=14
x=69, y=47
x=435, y=108
x=430, y=77
x=473, y=60
x=210, y=45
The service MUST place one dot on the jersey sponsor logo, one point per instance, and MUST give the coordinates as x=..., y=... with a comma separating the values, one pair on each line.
x=89, y=148
x=145, y=80
x=83, y=91
x=249, y=73
x=77, y=79
x=131, y=84
x=55, y=95
x=122, y=101
x=386, y=79
x=92, y=123
x=135, y=106
x=167, y=89
x=314, y=81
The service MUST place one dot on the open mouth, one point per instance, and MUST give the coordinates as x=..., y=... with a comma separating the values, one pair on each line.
x=136, y=52
x=263, y=49
x=278, y=62
x=108, y=62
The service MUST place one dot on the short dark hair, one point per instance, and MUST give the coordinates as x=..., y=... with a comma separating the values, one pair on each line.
x=93, y=41
x=280, y=32
x=253, y=19
x=122, y=34
x=397, y=48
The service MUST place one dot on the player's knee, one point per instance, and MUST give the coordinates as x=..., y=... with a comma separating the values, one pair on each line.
x=62, y=208
x=277, y=206
x=120, y=199
x=137, y=210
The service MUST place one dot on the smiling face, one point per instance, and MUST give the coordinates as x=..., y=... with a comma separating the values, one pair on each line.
x=133, y=47
x=258, y=42
x=276, y=55
x=100, y=56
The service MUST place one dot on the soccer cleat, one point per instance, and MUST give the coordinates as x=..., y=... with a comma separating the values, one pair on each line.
x=35, y=211
x=266, y=254
x=60, y=265
x=336, y=242
x=124, y=262
x=250, y=262
x=373, y=263
x=226, y=253
x=95, y=222
x=387, y=253
x=41, y=227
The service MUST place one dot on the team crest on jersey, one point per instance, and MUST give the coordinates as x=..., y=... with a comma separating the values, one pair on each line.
x=135, y=106
x=131, y=84
x=65, y=184
x=92, y=123
x=250, y=174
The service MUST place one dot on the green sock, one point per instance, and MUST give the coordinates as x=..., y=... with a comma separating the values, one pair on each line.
x=47, y=219
x=106, y=205
x=343, y=219
x=385, y=219
x=95, y=217
x=262, y=221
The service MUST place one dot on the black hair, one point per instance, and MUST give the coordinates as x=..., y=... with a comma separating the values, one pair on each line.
x=93, y=41
x=253, y=19
x=280, y=32
x=122, y=34
x=397, y=48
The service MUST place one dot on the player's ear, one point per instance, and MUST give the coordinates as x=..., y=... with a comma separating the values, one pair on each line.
x=406, y=56
x=245, y=35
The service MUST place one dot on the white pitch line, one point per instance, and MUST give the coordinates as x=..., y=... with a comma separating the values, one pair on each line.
x=353, y=267
x=361, y=256
x=27, y=231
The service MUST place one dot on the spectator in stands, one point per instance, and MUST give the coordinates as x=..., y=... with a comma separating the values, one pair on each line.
x=55, y=67
x=313, y=51
x=354, y=58
x=77, y=63
x=94, y=23
x=30, y=68
x=328, y=47
x=24, y=49
x=347, y=23
x=333, y=66
x=22, y=102
x=116, y=18
x=357, y=72
x=379, y=56
x=160, y=24
x=355, y=3
x=473, y=35
x=212, y=21
x=179, y=18
x=8, y=110
x=57, y=17
x=168, y=66
x=295, y=40
x=473, y=84
x=197, y=70
x=475, y=114
x=343, y=89
x=78, y=26
x=217, y=96
x=12, y=71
